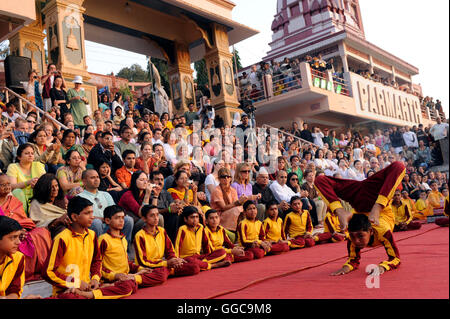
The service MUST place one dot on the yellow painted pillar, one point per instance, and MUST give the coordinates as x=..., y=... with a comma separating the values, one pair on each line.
x=219, y=64
x=181, y=79
x=29, y=42
x=65, y=41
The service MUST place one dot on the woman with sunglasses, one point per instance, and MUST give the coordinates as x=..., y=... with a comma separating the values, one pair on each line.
x=242, y=183
x=225, y=200
x=292, y=182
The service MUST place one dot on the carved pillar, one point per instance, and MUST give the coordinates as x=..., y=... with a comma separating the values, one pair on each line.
x=65, y=41
x=219, y=64
x=29, y=42
x=181, y=79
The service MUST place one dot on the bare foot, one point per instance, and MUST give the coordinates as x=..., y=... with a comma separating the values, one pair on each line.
x=224, y=263
x=374, y=215
x=344, y=216
x=86, y=294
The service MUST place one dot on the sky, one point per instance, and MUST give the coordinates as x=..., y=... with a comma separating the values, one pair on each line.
x=415, y=31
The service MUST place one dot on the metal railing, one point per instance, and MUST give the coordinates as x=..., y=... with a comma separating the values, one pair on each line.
x=341, y=86
x=271, y=86
x=327, y=81
x=284, y=83
x=300, y=140
x=22, y=100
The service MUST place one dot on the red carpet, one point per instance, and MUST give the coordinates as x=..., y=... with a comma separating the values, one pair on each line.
x=304, y=273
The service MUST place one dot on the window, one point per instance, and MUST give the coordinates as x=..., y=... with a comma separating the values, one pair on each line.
x=295, y=10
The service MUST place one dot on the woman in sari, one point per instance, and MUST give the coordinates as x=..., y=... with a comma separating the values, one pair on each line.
x=37, y=240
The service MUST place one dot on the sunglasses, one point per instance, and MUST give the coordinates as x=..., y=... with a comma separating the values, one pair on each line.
x=245, y=171
x=225, y=176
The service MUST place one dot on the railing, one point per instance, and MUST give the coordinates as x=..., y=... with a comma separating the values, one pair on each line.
x=300, y=140
x=423, y=109
x=283, y=83
x=22, y=100
x=341, y=86
x=271, y=86
x=327, y=81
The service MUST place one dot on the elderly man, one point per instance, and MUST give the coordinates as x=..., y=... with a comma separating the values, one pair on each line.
x=281, y=191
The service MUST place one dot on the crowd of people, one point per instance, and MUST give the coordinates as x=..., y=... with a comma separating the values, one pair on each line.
x=286, y=76
x=187, y=193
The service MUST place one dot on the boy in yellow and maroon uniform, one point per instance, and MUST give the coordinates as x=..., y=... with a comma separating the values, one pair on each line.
x=435, y=198
x=410, y=202
x=273, y=227
x=251, y=234
x=154, y=250
x=219, y=239
x=193, y=245
x=370, y=196
x=113, y=251
x=403, y=217
x=363, y=234
x=298, y=227
x=443, y=221
x=12, y=261
x=332, y=226
x=423, y=207
x=74, y=264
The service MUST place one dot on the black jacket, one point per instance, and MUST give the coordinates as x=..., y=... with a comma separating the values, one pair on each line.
x=98, y=155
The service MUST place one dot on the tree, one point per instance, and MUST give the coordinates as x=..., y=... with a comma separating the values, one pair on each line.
x=238, y=60
x=202, y=72
x=134, y=73
x=125, y=91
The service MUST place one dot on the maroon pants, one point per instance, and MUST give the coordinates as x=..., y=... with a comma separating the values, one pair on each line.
x=205, y=261
x=279, y=248
x=337, y=238
x=118, y=289
x=411, y=226
x=443, y=221
x=323, y=238
x=158, y=276
x=361, y=195
x=257, y=252
x=237, y=259
x=189, y=268
x=301, y=241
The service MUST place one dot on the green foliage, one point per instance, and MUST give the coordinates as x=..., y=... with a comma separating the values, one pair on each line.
x=202, y=72
x=125, y=91
x=237, y=60
x=134, y=73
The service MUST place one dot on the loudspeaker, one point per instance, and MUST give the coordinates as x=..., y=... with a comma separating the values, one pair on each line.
x=16, y=71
